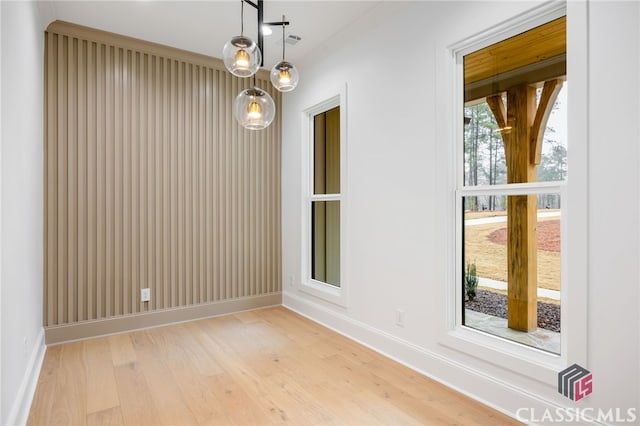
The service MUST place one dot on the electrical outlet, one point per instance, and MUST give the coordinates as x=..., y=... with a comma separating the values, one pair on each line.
x=145, y=294
x=399, y=317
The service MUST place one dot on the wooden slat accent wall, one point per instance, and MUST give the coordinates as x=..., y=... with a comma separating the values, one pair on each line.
x=150, y=181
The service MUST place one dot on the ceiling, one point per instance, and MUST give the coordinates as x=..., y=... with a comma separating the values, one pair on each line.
x=205, y=26
x=532, y=46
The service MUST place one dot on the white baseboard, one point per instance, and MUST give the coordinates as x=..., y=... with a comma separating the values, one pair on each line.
x=488, y=390
x=19, y=413
x=105, y=326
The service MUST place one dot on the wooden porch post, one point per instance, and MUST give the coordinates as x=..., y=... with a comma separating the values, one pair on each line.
x=523, y=128
x=522, y=256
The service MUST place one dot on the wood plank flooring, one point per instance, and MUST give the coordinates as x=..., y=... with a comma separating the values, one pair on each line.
x=264, y=367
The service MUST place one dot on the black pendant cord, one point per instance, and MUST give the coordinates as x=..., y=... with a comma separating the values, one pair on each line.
x=283, y=38
x=260, y=37
x=241, y=17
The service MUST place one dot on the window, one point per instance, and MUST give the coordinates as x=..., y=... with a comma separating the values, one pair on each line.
x=323, y=233
x=498, y=346
x=325, y=198
x=513, y=173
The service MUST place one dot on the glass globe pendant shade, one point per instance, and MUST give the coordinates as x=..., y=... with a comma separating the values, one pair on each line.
x=284, y=76
x=241, y=56
x=254, y=109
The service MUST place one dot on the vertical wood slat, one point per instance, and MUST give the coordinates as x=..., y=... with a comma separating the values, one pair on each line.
x=202, y=227
x=82, y=178
x=61, y=284
x=158, y=301
x=91, y=181
x=150, y=182
x=135, y=195
x=109, y=181
x=173, y=152
x=72, y=170
x=118, y=142
x=50, y=202
x=127, y=301
x=45, y=164
x=100, y=200
x=188, y=200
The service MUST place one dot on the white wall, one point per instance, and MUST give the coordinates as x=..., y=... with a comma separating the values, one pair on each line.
x=396, y=256
x=614, y=216
x=21, y=344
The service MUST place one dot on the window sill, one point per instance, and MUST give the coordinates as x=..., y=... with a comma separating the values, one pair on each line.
x=521, y=359
x=324, y=291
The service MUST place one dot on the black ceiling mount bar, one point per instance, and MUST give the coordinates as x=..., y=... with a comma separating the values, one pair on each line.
x=277, y=23
x=260, y=8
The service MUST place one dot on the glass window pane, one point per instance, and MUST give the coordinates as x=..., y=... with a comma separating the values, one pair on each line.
x=513, y=93
x=325, y=242
x=326, y=152
x=495, y=239
x=484, y=152
x=484, y=155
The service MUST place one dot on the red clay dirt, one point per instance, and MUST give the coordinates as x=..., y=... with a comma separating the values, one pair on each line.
x=548, y=235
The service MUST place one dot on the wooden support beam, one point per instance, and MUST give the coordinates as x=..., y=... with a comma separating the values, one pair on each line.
x=548, y=98
x=521, y=212
x=500, y=113
x=533, y=73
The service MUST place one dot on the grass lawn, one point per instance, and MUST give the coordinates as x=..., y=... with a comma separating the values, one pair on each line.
x=491, y=258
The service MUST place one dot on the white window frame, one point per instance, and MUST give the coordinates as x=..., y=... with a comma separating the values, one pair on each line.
x=537, y=364
x=328, y=292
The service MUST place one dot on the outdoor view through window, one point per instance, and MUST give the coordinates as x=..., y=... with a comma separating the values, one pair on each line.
x=515, y=166
x=325, y=199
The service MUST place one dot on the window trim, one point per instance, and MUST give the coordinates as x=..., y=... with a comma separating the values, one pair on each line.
x=534, y=363
x=319, y=289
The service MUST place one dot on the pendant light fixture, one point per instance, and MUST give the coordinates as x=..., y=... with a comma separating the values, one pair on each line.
x=253, y=107
x=284, y=76
x=241, y=55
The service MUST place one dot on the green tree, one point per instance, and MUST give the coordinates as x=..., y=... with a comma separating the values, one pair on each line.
x=553, y=165
x=483, y=154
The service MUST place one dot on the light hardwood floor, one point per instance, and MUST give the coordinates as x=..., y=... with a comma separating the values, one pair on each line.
x=269, y=366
